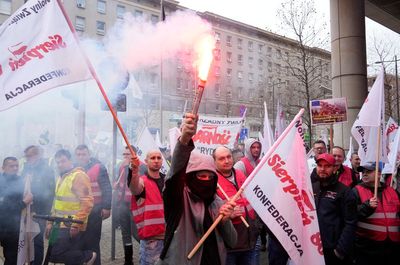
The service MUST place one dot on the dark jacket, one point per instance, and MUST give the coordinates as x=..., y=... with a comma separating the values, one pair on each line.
x=11, y=204
x=104, y=184
x=337, y=215
x=42, y=185
x=184, y=212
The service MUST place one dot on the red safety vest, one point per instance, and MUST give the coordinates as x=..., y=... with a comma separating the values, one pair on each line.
x=122, y=186
x=93, y=174
x=148, y=212
x=247, y=165
x=346, y=177
x=231, y=190
x=384, y=222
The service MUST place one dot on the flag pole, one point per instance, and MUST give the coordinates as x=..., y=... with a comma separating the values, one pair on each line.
x=247, y=181
x=96, y=78
x=227, y=197
x=377, y=162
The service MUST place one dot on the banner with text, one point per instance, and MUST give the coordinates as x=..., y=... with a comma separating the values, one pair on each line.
x=282, y=195
x=38, y=52
x=328, y=111
x=216, y=131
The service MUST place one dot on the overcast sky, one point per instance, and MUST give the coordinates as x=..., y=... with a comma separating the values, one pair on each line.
x=262, y=14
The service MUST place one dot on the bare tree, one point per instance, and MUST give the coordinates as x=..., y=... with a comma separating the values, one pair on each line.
x=383, y=51
x=307, y=63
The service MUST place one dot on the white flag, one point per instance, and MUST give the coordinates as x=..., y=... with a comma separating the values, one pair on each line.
x=38, y=52
x=268, y=137
x=28, y=229
x=134, y=87
x=393, y=158
x=158, y=140
x=369, y=120
x=280, y=122
x=391, y=129
x=173, y=134
x=146, y=143
x=347, y=162
x=280, y=190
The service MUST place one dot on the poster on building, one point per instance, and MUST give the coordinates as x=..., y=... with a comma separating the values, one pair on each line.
x=216, y=131
x=328, y=111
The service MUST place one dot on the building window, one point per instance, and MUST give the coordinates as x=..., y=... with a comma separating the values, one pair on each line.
x=81, y=3
x=278, y=54
x=120, y=11
x=217, y=36
x=179, y=84
x=80, y=23
x=229, y=41
x=240, y=43
x=138, y=13
x=229, y=72
x=260, y=63
x=101, y=27
x=240, y=75
x=250, y=62
x=154, y=19
x=250, y=46
x=217, y=108
x=269, y=67
x=240, y=59
x=251, y=77
x=101, y=6
x=5, y=7
x=278, y=68
x=217, y=54
x=240, y=92
x=229, y=93
x=217, y=90
x=260, y=48
x=229, y=57
x=217, y=71
x=269, y=51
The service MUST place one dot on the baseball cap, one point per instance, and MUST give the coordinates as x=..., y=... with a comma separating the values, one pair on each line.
x=327, y=157
x=370, y=166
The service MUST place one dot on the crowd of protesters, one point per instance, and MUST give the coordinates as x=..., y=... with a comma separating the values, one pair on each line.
x=168, y=214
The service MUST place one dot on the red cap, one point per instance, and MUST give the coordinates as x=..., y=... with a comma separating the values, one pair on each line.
x=327, y=157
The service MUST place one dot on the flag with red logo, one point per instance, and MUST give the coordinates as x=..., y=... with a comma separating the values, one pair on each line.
x=38, y=52
x=280, y=190
x=370, y=121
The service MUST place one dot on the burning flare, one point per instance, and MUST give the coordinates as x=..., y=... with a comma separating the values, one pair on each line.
x=204, y=50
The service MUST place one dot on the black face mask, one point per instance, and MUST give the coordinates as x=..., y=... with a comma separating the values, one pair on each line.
x=204, y=189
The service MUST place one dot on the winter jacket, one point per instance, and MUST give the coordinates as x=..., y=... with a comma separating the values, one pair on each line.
x=184, y=211
x=11, y=204
x=42, y=185
x=241, y=165
x=100, y=183
x=337, y=215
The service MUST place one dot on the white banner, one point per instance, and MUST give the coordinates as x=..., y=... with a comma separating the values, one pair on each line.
x=347, y=161
x=216, y=131
x=268, y=138
x=370, y=119
x=284, y=199
x=38, y=52
x=147, y=143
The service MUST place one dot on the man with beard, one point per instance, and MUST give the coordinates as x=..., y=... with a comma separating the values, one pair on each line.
x=336, y=210
x=191, y=206
x=102, y=195
x=251, y=157
x=42, y=188
x=12, y=201
x=147, y=207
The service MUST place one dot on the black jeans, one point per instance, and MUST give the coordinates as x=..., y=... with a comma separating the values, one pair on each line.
x=9, y=242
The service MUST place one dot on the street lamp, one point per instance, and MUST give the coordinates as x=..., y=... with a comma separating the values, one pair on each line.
x=273, y=101
x=397, y=83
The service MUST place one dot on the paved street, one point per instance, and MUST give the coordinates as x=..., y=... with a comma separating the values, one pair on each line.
x=119, y=251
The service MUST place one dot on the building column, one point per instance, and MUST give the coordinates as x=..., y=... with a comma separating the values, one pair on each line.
x=348, y=62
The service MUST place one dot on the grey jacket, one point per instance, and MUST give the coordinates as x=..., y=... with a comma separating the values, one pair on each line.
x=247, y=153
x=180, y=203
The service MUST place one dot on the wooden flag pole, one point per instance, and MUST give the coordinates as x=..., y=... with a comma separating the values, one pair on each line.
x=377, y=162
x=330, y=137
x=227, y=197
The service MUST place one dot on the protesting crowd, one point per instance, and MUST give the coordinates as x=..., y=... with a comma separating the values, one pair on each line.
x=170, y=213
